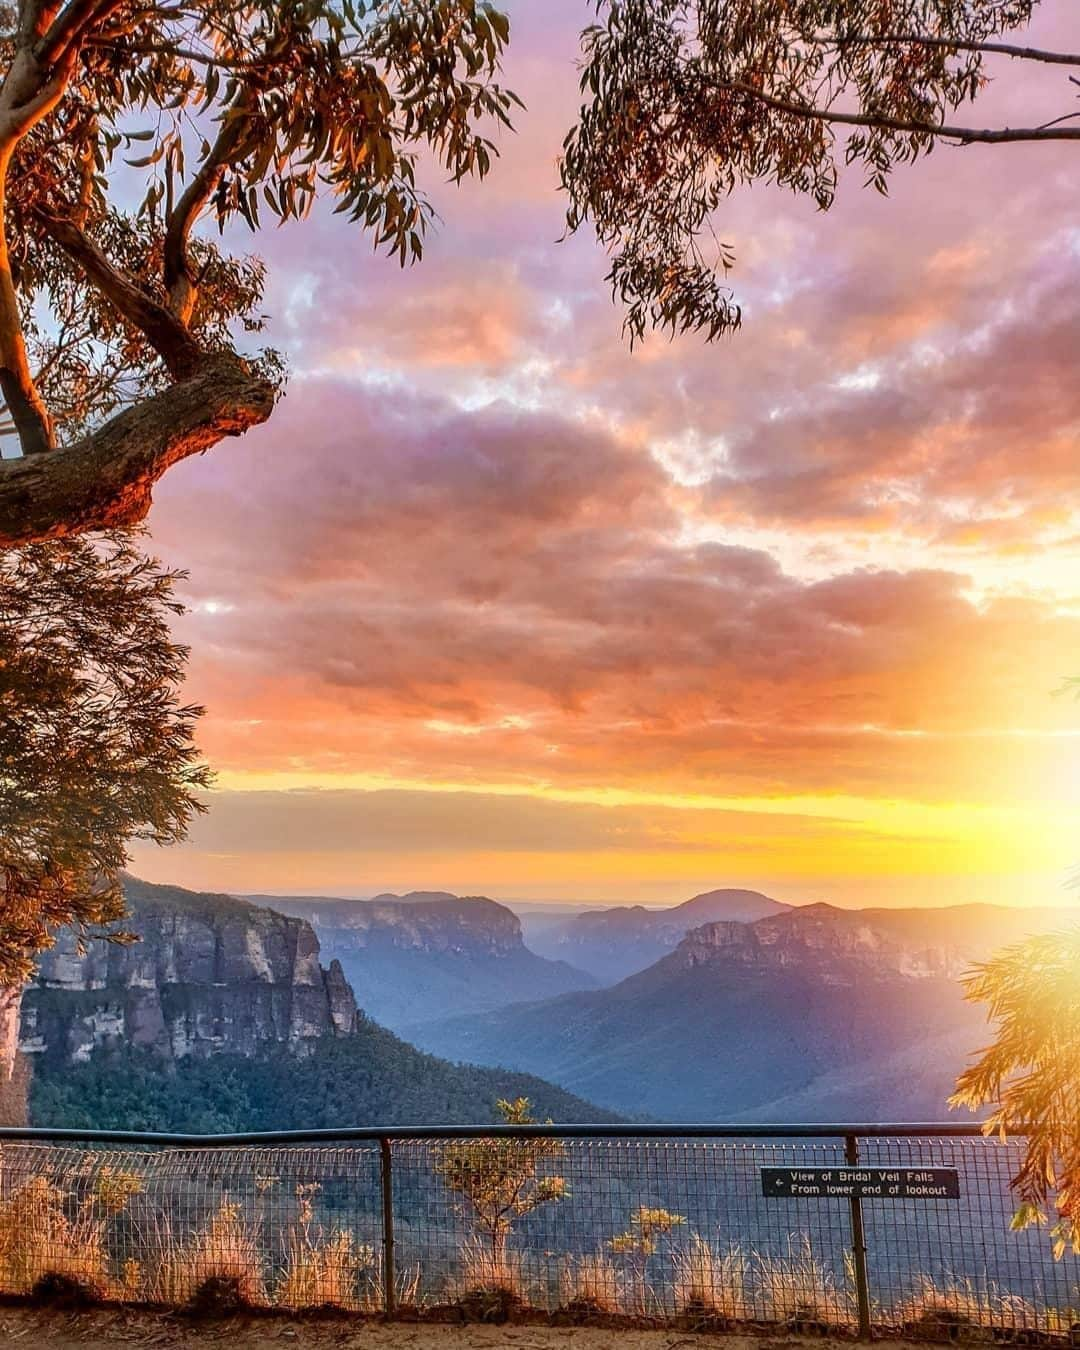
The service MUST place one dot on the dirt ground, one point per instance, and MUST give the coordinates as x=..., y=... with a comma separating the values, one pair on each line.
x=29, y=1329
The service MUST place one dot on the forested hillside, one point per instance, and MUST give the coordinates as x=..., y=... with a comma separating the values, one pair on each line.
x=368, y=1078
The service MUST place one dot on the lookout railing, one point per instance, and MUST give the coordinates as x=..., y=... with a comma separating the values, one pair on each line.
x=865, y=1229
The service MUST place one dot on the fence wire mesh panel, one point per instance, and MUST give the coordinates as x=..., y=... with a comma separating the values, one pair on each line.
x=267, y=1227
x=664, y=1228
x=958, y=1262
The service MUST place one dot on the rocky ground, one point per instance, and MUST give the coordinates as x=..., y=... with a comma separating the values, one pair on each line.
x=30, y=1329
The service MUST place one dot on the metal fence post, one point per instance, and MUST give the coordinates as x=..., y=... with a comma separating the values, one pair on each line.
x=858, y=1245
x=389, y=1276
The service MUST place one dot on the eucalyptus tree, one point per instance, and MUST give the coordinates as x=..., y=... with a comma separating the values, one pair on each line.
x=687, y=100
x=125, y=125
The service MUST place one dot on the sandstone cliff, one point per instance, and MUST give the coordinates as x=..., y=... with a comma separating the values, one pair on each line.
x=842, y=945
x=419, y=956
x=210, y=973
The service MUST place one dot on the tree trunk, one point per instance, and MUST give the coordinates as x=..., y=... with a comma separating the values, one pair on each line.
x=106, y=479
x=14, y=1068
x=10, y=1006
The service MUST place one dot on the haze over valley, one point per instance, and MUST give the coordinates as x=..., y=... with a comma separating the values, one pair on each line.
x=730, y=1006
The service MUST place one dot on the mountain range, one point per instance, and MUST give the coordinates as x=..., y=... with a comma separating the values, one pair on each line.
x=411, y=958
x=222, y=1017
x=618, y=941
x=810, y=1013
x=736, y=1007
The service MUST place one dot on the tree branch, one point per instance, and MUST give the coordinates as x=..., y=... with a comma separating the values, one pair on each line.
x=954, y=44
x=163, y=330
x=107, y=478
x=180, y=285
x=966, y=135
x=70, y=26
x=24, y=402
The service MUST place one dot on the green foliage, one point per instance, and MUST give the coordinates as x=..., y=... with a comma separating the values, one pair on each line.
x=647, y=1226
x=370, y=1078
x=502, y=1180
x=1031, y=1074
x=689, y=99
x=95, y=744
x=232, y=110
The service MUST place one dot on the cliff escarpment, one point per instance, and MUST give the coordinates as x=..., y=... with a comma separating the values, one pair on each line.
x=209, y=974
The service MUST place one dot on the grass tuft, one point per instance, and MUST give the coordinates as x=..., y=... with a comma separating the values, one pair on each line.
x=219, y=1270
x=491, y=1285
x=711, y=1284
x=590, y=1283
x=329, y=1272
x=797, y=1289
x=44, y=1249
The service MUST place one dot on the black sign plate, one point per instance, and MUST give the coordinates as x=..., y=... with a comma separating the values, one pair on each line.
x=870, y=1183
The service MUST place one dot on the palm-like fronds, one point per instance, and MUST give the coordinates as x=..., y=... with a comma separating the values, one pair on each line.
x=1031, y=1073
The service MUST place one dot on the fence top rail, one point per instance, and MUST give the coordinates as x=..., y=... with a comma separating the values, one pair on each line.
x=378, y=1133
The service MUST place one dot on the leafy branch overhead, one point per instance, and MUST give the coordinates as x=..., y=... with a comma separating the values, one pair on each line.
x=689, y=99
x=123, y=331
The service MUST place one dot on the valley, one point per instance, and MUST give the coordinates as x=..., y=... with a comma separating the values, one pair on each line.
x=812, y=1013
x=221, y=1017
x=736, y=1008
x=415, y=956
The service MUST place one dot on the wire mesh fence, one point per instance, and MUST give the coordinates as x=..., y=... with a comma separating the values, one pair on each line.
x=816, y=1232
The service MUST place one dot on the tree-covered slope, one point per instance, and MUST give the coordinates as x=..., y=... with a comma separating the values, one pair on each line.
x=370, y=1078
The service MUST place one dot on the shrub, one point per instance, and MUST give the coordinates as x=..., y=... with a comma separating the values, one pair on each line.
x=638, y=1244
x=501, y=1180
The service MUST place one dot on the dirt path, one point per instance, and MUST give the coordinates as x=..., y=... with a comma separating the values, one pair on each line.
x=29, y=1329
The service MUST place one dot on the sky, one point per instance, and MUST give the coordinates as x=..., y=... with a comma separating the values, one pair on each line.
x=495, y=605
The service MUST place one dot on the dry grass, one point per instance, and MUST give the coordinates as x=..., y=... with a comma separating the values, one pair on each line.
x=329, y=1272
x=40, y=1242
x=951, y=1305
x=591, y=1282
x=483, y=1270
x=952, y=1302
x=710, y=1283
x=221, y=1263
x=797, y=1289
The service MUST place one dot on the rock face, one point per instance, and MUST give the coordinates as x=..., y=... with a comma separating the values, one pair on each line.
x=209, y=974
x=617, y=942
x=816, y=1013
x=843, y=945
x=840, y=946
x=429, y=921
x=415, y=957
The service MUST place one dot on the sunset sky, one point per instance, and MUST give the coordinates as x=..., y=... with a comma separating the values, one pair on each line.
x=494, y=605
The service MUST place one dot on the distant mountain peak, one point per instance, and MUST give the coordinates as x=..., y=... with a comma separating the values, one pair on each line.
x=614, y=943
x=415, y=897
x=730, y=897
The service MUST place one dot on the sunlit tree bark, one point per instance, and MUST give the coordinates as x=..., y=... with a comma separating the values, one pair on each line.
x=126, y=336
